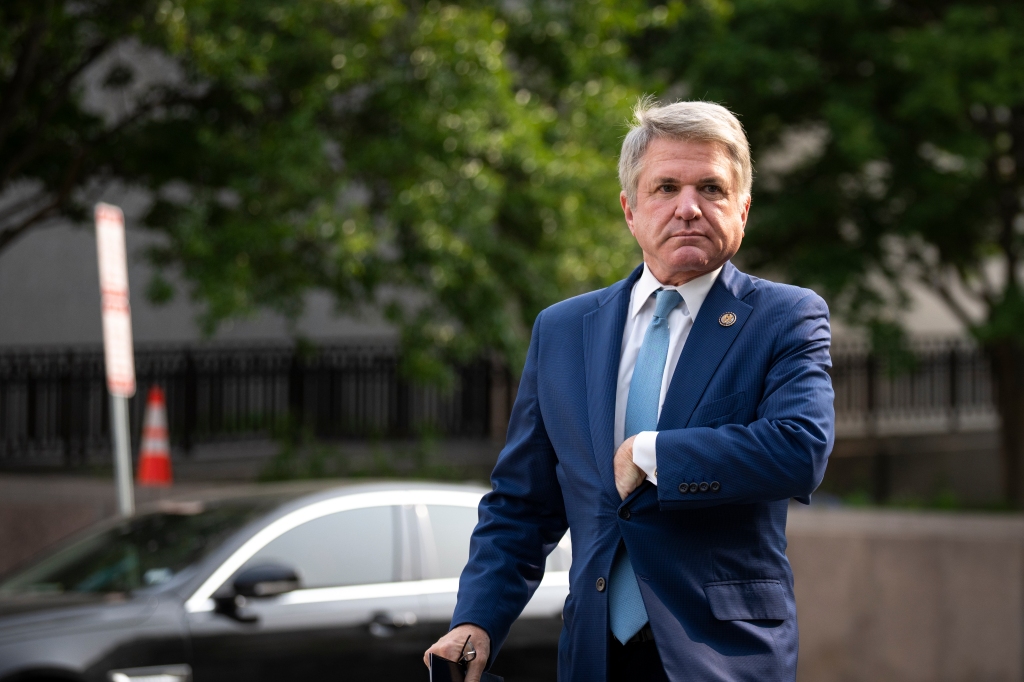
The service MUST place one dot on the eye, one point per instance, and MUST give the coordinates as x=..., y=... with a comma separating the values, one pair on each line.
x=713, y=189
x=667, y=187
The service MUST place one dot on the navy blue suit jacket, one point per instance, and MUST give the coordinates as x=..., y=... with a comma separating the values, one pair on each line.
x=748, y=412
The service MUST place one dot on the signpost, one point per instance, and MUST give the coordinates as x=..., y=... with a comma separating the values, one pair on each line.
x=118, y=352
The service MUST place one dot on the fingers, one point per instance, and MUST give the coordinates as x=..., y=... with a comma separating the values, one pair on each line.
x=628, y=476
x=451, y=647
x=625, y=471
x=445, y=648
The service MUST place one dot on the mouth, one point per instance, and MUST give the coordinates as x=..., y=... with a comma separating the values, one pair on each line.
x=689, y=236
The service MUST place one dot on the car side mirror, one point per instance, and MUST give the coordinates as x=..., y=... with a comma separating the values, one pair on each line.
x=266, y=580
x=256, y=582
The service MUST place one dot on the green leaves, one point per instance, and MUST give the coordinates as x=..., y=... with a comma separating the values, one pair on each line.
x=450, y=163
x=916, y=177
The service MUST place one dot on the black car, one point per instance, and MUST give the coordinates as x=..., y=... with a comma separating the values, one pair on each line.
x=352, y=583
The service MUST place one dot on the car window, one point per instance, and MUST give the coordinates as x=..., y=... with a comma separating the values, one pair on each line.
x=355, y=547
x=560, y=558
x=140, y=552
x=448, y=538
x=451, y=528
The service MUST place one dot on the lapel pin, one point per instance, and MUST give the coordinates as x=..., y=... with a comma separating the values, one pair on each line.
x=727, y=319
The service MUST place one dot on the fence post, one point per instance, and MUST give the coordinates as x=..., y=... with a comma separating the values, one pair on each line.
x=296, y=391
x=880, y=464
x=65, y=404
x=870, y=367
x=954, y=412
x=500, y=398
x=403, y=399
x=190, y=400
x=30, y=390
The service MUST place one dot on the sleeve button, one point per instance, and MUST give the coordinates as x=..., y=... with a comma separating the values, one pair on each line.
x=715, y=486
x=704, y=486
x=683, y=488
x=600, y=584
x=693, y=487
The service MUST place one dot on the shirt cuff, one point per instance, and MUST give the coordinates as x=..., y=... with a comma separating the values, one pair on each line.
x=645, y=454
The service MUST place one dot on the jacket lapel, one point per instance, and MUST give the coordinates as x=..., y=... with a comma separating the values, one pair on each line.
x=707, y=344
x=602, y=331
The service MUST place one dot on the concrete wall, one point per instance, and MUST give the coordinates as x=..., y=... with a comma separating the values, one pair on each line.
x=908, y=597
x=963, y=467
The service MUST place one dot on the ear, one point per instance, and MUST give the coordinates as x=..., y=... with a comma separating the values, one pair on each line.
x=628, y=212
x=745, y=212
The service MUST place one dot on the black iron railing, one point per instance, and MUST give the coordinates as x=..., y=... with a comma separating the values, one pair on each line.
x=54, y=406
x=944, y=385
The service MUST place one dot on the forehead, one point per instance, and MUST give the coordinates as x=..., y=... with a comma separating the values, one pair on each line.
x=685, y=160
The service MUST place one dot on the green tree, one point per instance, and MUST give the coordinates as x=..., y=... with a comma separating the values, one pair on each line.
x=464, y=152
x=912, y=118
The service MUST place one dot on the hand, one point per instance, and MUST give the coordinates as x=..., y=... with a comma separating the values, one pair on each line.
x=450, y=647
x=628, y=476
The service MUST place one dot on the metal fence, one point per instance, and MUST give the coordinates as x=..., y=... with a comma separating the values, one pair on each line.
x=946, y=386
x=54, y=406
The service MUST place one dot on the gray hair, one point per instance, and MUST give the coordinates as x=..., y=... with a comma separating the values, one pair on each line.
x=699, y=121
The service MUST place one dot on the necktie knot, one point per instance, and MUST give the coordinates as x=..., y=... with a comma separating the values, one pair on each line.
x=667, y=300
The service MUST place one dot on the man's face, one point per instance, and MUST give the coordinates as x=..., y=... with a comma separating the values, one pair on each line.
x=690, y=210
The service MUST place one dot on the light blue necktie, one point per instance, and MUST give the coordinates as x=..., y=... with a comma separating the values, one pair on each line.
x=626, y=612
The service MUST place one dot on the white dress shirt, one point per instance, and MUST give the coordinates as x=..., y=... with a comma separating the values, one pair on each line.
x=680, y=320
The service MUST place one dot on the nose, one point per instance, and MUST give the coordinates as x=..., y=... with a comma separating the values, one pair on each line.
x=688, y=206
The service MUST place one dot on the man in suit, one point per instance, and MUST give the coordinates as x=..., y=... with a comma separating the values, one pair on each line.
x=666, y=420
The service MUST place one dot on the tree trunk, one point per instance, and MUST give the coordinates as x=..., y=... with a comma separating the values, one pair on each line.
x=1006, y=358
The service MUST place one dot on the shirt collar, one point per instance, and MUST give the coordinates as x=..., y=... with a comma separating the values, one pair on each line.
x=693, y=292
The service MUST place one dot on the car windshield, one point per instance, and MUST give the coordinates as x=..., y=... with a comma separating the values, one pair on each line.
x=140, y=552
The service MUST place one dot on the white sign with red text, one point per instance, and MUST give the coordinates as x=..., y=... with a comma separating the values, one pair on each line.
x=117, y=315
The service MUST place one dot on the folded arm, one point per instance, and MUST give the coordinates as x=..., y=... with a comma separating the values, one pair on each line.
x=783, y=452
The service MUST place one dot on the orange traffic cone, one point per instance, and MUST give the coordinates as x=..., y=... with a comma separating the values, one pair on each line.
x=155, y=455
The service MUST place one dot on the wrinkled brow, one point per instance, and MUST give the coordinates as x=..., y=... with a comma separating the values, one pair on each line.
x=708, y=180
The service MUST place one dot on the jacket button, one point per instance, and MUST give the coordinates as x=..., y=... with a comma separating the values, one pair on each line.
x=624, y=513
x=704, y=486
x=683, y=488
x=600, y=584
x=693, y=487
x=715, y=486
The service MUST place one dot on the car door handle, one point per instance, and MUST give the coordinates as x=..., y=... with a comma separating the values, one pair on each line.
x=386, y=624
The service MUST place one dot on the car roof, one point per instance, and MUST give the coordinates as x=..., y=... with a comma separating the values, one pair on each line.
x=295, y=498
x=292, y=494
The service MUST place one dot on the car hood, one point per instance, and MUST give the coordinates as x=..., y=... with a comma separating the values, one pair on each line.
x=31, y=615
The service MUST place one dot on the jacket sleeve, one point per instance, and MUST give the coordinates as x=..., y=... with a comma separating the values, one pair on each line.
x=521, y=519
x=783, y=452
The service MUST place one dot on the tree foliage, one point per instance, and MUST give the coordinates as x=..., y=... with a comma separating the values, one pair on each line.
x=911, y=111
x=450, y=163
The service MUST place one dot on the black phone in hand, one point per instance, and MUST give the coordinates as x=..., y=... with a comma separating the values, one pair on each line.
x=443, y=670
